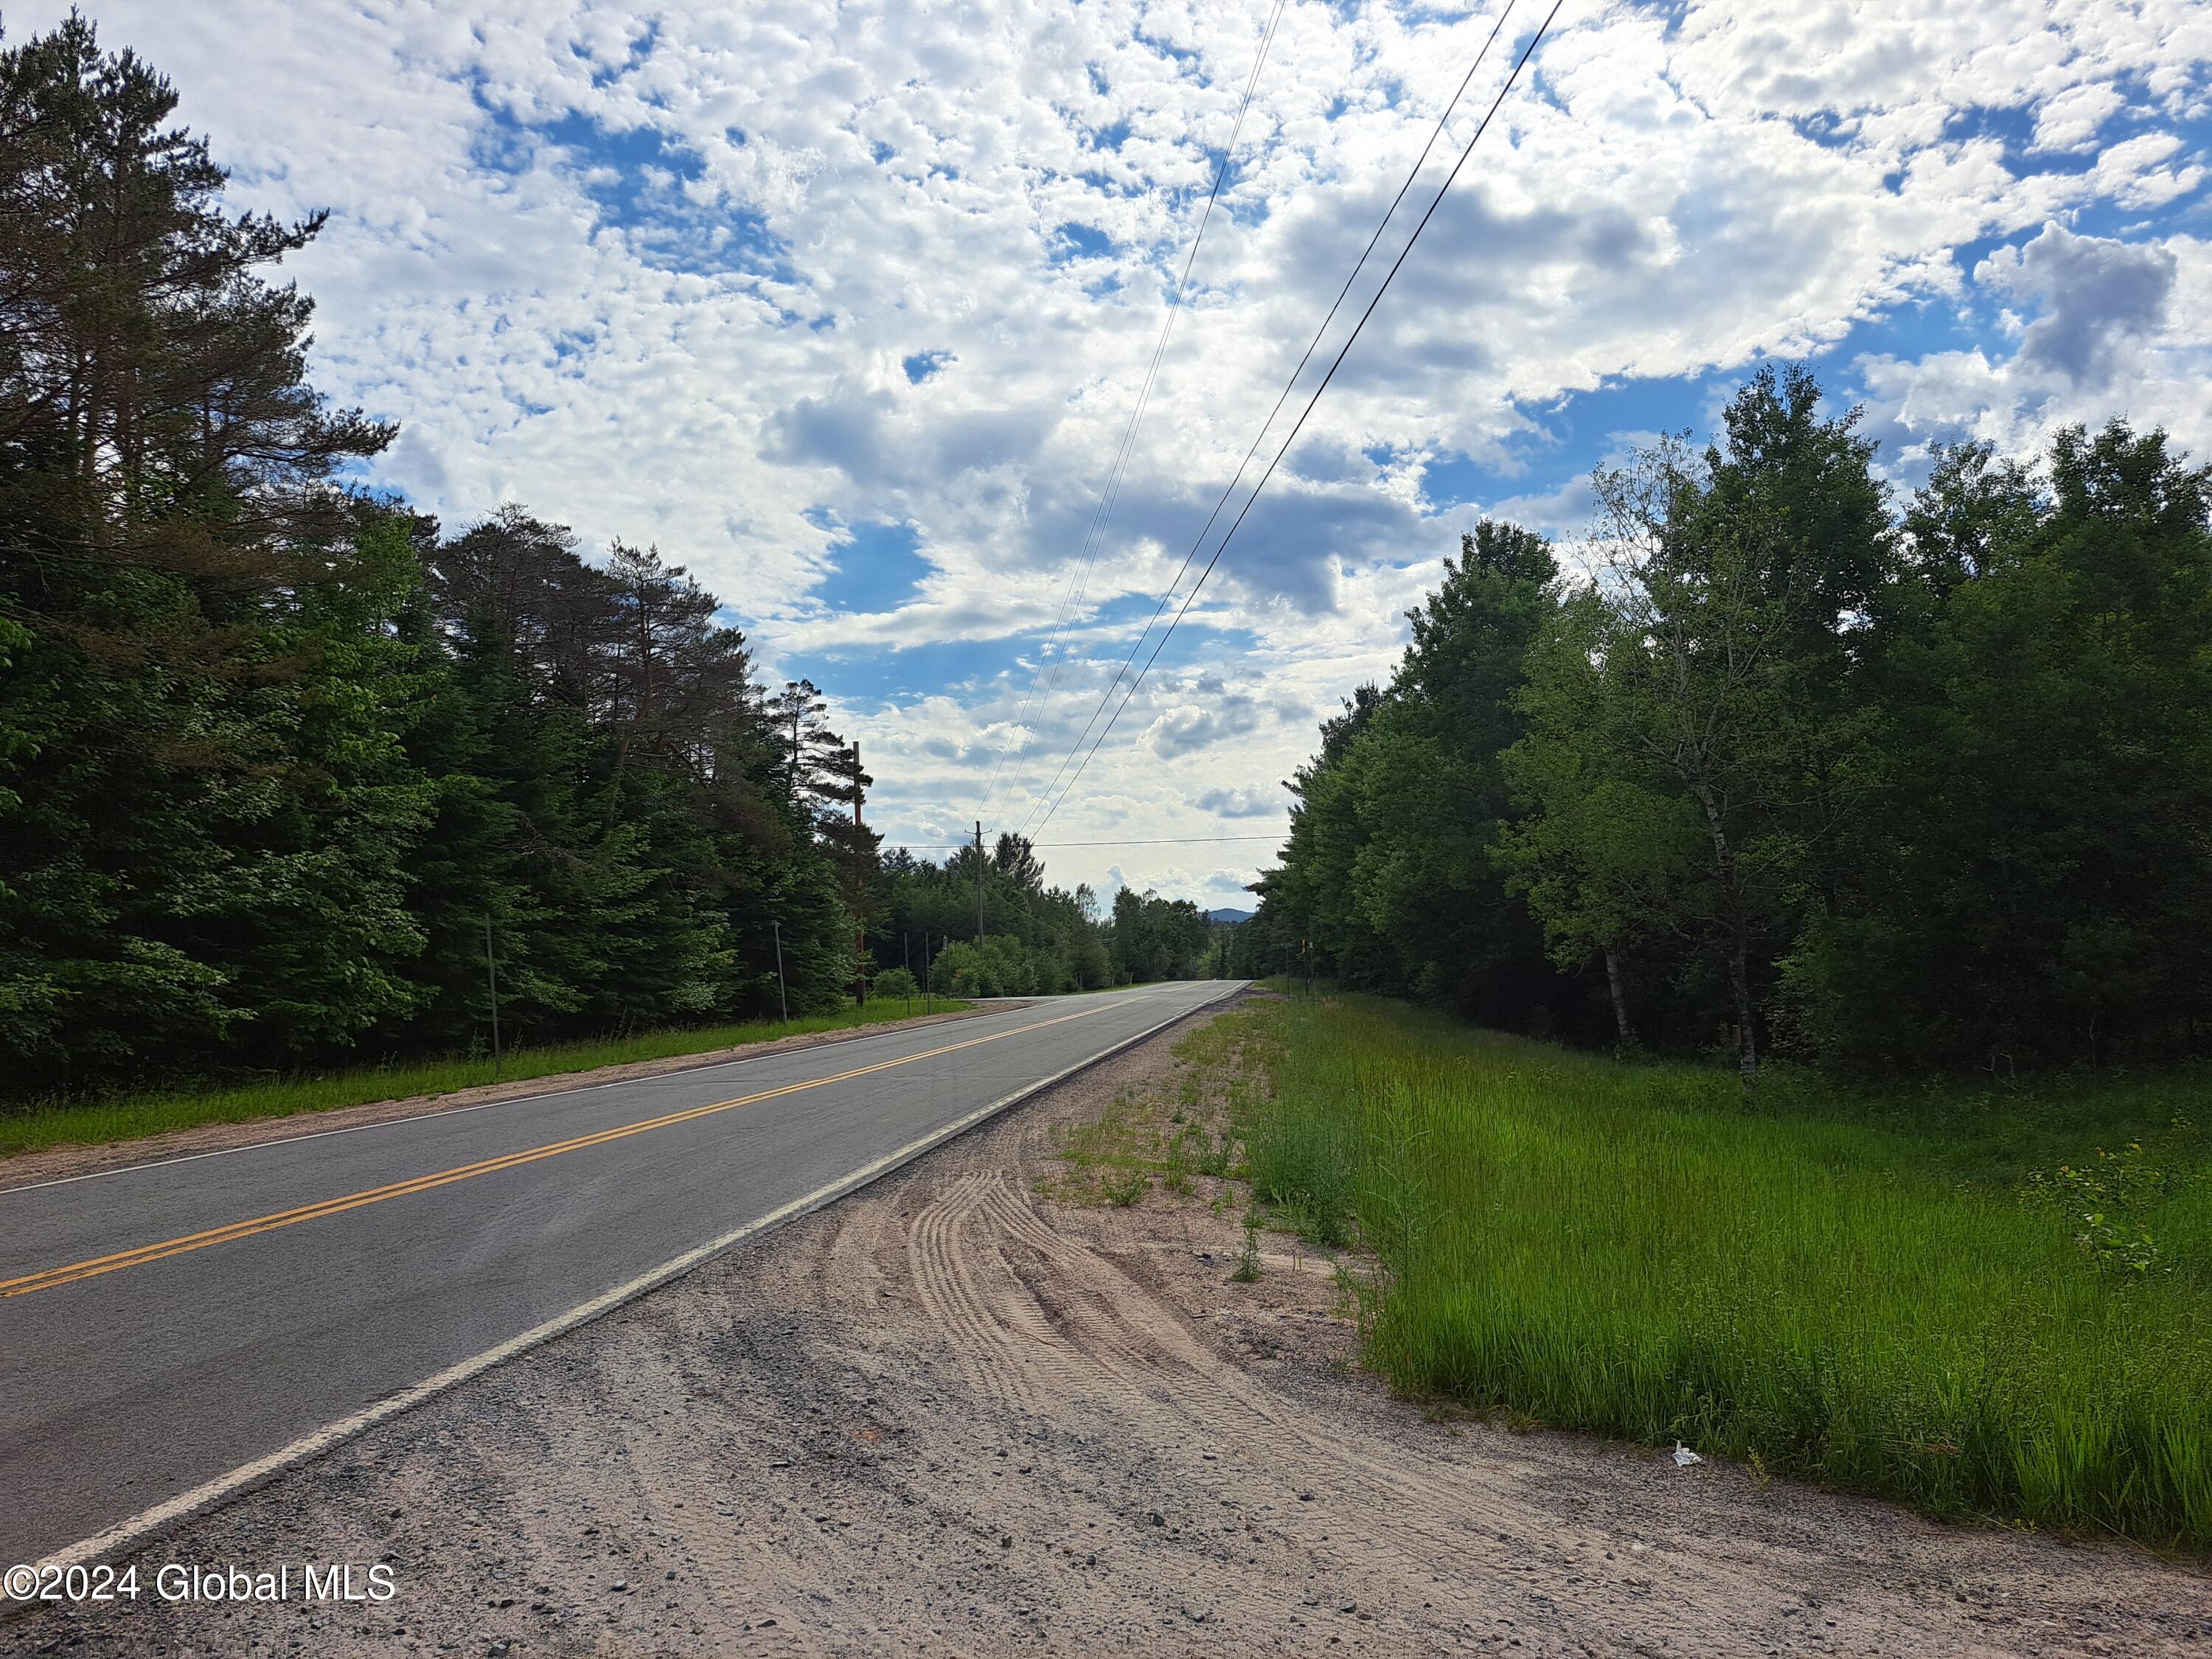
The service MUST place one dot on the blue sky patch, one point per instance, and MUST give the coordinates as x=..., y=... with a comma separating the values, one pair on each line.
x=1073, y=241
x=643, y=184
x=875, y=566
x=923, y=364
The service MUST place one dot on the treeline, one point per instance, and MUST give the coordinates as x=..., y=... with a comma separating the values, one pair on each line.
x=280, y=763
x=286, y=771
x=1036, y=940
x=1894, y=787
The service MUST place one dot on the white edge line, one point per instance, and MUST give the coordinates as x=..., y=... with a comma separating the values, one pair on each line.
x=137, y=1527
x=511, y=1100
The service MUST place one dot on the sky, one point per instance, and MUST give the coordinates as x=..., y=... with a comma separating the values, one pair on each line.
x=847, y=307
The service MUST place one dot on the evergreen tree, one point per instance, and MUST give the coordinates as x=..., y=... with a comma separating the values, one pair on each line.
x=280, y=764
x=167, y=534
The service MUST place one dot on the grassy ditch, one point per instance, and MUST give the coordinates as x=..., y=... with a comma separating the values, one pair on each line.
x=128, y=1117
x=1984, y=1302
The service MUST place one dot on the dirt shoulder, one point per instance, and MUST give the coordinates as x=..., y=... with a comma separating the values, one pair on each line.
x=974, y=1409
x=60, y=1163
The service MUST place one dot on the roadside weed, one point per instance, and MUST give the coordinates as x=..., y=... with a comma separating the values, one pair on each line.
x=1176, y=1131
x=1123, y=1191
x=1248, y=1259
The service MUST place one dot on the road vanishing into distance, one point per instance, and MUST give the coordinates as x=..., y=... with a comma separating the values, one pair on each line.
x=165, y=1326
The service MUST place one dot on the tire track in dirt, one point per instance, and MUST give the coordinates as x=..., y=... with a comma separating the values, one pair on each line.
x=946, y=1289
x=1109, y=1324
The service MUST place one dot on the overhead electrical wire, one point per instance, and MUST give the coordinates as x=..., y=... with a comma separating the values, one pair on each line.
x=1511, y=80
x=1152, y=841
x=1094, y=536
x=1282, y=398
x=1102, y=516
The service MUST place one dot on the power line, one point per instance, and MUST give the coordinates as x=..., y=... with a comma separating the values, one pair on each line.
x=1511, y=80
x=1161, y=841
x=1164, y=840
x=1260, y=437
x=1094, y=536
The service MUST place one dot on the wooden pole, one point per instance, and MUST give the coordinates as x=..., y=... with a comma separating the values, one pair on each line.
x=860, y=891
x=491, y=975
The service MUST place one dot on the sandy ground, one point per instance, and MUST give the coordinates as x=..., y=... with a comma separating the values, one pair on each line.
x=61, y=1163
x=953, y=1414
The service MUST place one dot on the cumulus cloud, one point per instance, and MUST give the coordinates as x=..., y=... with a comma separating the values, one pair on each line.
x=1190, y=727
x=2070, y=119
x=2114, y=327
x=1241, y=802
x=727, y=277
x=2093, y=293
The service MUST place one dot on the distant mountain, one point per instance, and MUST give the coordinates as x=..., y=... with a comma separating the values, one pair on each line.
x=1232, y=917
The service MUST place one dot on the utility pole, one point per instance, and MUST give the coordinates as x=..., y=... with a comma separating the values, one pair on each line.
x=860, y=889
x=929, y=974
x=795, y=707
x=491, y=974
x=979, y=883
x=782, y=997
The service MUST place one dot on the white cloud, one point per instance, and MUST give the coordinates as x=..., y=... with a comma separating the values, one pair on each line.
x=2071, y=119
x=2095, y=295
x=1243, y=803
x=816, y=193
x=2117, y=330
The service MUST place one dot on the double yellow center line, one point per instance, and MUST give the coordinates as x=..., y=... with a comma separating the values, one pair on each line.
x=50, y=1277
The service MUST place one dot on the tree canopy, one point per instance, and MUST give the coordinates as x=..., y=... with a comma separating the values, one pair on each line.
x=281, y=762
x=1892, y=786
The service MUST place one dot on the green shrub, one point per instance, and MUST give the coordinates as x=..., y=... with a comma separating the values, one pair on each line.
x=895, y=985
x=1003, y=966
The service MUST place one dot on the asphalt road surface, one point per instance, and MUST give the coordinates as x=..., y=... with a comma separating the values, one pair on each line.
x=164, y=1325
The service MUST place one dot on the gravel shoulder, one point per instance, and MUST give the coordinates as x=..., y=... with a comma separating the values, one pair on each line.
x=64, y=1162
x=973, y=1410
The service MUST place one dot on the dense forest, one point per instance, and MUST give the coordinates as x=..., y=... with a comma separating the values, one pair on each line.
x=1037, y=940
x=1900, y=787
x=282, y=762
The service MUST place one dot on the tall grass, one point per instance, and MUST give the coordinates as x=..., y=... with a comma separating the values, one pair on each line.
x=1868, y=1291
x=32, y=1128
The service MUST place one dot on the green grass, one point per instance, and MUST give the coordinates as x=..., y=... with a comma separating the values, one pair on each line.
x=1942, y=1296
x=32, y=1128
x=1143, y=1133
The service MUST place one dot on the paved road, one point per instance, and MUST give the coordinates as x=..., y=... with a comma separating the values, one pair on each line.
x=163, y=1325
